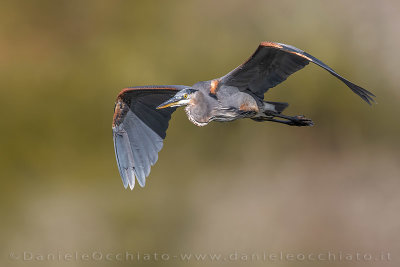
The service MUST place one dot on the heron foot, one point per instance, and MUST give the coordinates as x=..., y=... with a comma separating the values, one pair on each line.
x=299, y=120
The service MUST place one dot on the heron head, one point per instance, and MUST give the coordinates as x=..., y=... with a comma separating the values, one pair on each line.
x=182, y=98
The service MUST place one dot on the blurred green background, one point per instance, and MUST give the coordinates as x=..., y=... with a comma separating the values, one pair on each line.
x=243, y=186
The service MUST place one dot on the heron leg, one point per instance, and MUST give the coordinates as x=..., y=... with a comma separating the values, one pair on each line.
x=288, y=120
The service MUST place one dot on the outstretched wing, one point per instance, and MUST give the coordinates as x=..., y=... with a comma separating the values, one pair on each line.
x=139, y=129
x=273, y=63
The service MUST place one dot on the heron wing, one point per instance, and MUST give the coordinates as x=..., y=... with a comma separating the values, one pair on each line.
x=273, y=63
x=139, y=129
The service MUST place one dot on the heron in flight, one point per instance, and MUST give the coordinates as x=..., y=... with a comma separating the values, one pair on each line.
x=142, y=113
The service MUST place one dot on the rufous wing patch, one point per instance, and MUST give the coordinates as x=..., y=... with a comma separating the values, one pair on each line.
x=248, y=107
x=119, y=112
x=128, y=89
x=301, y=55
x=275, y=45
x=271, y=44
x=214, y=86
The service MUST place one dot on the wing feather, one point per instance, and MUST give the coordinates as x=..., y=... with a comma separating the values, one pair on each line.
x=272, y=63
x=124, y=157
x=139, y=129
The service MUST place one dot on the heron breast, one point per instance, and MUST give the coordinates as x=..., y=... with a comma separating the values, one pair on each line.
x=195, y=119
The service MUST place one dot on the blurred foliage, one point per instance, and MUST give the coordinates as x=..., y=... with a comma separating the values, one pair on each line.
x=63, y=63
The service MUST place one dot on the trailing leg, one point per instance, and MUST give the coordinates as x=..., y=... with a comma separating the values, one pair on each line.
x=299, y=120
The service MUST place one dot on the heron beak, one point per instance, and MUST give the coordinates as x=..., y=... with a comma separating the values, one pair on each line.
x=169, y=103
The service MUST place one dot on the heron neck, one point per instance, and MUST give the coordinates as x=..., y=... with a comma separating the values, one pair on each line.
x=198, y=110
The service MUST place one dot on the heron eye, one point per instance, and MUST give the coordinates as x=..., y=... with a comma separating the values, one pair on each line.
x=185, y=95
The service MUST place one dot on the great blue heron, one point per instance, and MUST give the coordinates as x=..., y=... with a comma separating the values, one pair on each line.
x=142, y=113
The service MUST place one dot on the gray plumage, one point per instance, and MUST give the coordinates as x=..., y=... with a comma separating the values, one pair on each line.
x=141, y=114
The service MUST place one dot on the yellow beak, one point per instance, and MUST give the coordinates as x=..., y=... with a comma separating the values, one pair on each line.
x=171, y=102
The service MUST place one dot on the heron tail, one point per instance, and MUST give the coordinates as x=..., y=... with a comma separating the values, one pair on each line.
x=279, y=106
